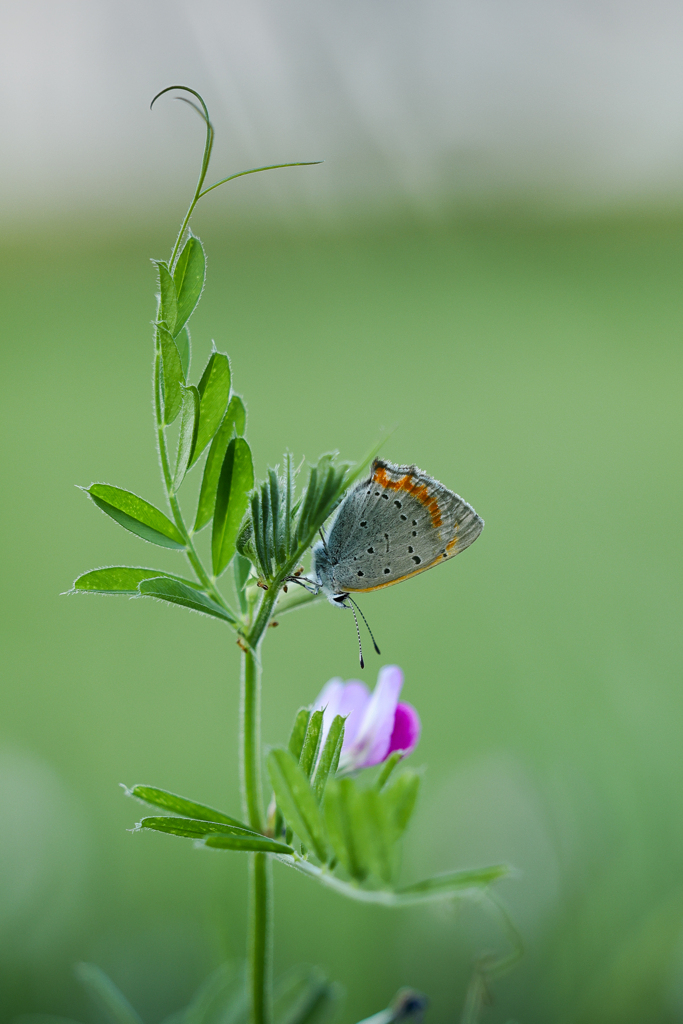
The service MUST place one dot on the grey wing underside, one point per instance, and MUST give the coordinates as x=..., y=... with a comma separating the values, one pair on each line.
x=382, y=535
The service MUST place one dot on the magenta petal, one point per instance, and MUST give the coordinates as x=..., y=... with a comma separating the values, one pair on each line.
x=372, y=743
x=407, y=729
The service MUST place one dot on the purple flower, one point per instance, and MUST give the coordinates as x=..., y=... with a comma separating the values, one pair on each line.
x=376, y=724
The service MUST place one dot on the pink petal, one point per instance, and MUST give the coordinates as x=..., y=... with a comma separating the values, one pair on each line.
x=354, y=701
x=328, y=702
x=407, y=730
x=347, y=699
x=372, y=742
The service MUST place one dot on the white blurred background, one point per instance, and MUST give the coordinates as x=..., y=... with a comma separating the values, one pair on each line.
x=555, y=104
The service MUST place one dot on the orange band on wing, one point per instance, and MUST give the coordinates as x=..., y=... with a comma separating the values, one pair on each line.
x=418, y=490
x=415, y=572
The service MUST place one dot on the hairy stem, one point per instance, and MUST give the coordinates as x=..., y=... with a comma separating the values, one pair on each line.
x=260, y=940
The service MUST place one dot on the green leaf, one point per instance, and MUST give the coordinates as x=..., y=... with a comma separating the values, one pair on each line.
x=298, y=734
x=297, y=801
x=454, y=882
x=398, y=799
x=214, y=834
x=214, y=392
x=172, y=376
x=258, y=844
x=179, y=805
x=188, y=277
x=234, y=422
x=187, y=439
x=309, y=751
x=329, y=758
x=342, y=817
x=241, y=569
x=136, y=514
x=106, y=994
x=304, y=995
x=166, y=589
x=232, y=496
x=121, y=579
x=193, y=828
x=374, y=834
x=184, y=344
x=168, y=307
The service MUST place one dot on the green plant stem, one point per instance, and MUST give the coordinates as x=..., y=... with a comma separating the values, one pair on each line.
x=260, y=938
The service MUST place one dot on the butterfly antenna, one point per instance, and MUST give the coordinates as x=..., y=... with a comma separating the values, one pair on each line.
x=374, y=642
x=360, y=646
x=322, y=537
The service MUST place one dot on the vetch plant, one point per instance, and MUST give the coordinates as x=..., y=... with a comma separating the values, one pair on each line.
x=341, y=797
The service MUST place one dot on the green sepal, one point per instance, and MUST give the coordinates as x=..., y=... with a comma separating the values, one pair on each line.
x=136, y=515
x=297, y=801
x=166, y=589
x=329, y=757
x=388, y=768
x=106, y=994
x=298, y=733
x=168, y=304
x=172, y=374
x=121, y=579
x=187, y=438
x=214, y=393
x=180, y=805
x=234, y=423
x=309, y=751
x=232, y=496
x=342, y=815
x=295, y=746
x=280, y=528
x=188, y=276
x=398, y=799
x=374, y=834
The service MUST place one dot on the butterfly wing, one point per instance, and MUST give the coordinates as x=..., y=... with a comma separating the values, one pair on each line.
x=394, y=525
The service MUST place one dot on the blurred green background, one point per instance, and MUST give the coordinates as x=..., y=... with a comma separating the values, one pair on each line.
x=535, y=369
